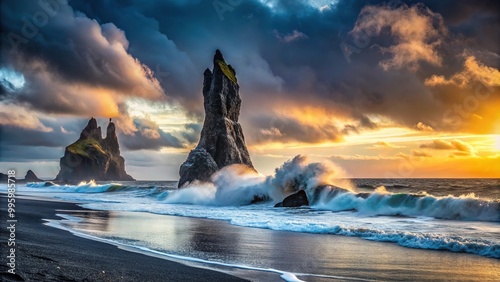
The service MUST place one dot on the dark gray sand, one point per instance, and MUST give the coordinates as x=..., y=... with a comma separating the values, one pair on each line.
x=48, y=254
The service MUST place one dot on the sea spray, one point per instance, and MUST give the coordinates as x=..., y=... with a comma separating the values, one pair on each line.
x=237, y=185
x=302, y=174
x=234, y=185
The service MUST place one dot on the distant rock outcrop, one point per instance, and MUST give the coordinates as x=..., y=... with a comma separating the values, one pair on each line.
x=4, y=177
x=222, y=142
x=31, y=177
x=297, y=199
x=92, y=157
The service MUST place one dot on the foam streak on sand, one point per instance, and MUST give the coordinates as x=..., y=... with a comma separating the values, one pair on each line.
x=287, y=276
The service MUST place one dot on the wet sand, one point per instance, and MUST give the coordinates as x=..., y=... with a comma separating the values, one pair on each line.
x=340, y=257
x=48, y=254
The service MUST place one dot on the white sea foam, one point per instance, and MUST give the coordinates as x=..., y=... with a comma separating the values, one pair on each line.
x=237, y=185
x=82, y=187
x=422, y=233
x=381, y=202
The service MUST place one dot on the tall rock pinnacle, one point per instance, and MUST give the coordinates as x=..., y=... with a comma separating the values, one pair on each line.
x=222, y=142
x=92, y=157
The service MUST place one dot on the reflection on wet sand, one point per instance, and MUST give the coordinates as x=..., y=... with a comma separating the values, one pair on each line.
x=92, y=220
x=288, y=251
x=207, y=237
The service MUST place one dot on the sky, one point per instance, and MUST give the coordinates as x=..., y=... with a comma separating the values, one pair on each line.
x=384, y=89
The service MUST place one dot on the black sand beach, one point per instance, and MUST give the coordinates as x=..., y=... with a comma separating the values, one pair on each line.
x=48, y=254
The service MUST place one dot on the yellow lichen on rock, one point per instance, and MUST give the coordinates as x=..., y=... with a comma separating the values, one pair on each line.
x=228, y=71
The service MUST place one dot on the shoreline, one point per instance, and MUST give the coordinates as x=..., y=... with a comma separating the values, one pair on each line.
x=45, y=253
x=311, y=257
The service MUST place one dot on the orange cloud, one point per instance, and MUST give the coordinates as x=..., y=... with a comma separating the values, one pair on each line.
x=462, y=148
x=423, y=127
x=417, y=32
x=385, y=145
x=418, y=153
x=14, y=115
x=472, y=71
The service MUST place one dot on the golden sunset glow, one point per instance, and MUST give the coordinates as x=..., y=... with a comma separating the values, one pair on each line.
x=409, y=86
x=497, y=142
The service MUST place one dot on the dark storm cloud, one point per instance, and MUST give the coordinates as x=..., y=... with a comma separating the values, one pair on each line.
x=288, y=129
x=22, y=144
x=26, y=137
x=25, y=144
x=176, y=39
x=71, y=63
x=60, y=133
x=192, y=132
x=149, y=137
x=13, y=153
x=75, y=47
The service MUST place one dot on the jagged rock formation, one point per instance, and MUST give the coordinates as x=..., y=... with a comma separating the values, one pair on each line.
x=222, y=142
x=31, y=177
x=92, y=157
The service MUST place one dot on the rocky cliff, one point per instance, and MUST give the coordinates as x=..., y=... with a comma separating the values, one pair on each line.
x=221, y=142
x=92, y=157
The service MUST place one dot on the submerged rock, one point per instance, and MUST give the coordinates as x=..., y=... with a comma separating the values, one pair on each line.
x=222, y=142
x=297, y=199
x=92, y=157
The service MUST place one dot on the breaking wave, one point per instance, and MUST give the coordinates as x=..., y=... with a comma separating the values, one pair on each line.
x=237, y=185
x=381, y=202
x=82, y=187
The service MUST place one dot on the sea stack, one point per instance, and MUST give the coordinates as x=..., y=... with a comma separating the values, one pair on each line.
x=92, y=157
x=31, y=177
x=222, y=142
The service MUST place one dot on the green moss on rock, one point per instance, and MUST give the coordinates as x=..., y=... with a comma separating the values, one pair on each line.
x=228, y=71
x=81, y=147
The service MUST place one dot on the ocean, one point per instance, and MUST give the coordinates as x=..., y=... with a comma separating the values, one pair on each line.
x=458, y=217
